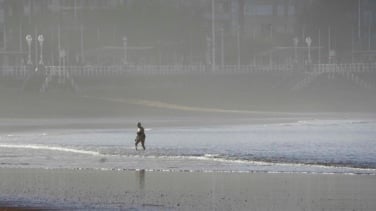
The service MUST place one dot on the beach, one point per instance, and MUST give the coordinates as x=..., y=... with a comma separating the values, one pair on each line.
x=237, y=144
x=146, y=190
x=245, y=105
x=76, y=164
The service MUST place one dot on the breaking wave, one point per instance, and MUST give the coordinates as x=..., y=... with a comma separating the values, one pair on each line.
x=52, y=148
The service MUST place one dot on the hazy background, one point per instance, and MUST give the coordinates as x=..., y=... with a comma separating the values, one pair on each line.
x=165, y=33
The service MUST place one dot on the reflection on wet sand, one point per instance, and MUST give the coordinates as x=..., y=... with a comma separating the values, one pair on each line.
x=141, y=178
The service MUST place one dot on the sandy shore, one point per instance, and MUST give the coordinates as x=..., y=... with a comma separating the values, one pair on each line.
x=171, y=120
x=143, y=190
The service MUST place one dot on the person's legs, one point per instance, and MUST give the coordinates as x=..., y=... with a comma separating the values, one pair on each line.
x=136, y=142
x=143, y=143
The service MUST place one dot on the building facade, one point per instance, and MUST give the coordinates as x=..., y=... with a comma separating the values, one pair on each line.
x=179, y=31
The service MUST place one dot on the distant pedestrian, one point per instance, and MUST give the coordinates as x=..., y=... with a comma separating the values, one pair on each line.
x=140, y=138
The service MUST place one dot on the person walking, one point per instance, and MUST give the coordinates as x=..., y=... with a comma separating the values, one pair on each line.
x=140, y=138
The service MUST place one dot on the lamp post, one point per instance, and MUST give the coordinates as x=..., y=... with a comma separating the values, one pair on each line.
x=296, y=42
x=359, y=19
x=29, y=39
x=61, y=61
x=213, y=36
x=309, y=42
x=222, y=48
x=41, y=39
x=208, y=52
x=238, y=44
x=125, y=50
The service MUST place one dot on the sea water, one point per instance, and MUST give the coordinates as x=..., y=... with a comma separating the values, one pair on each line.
x=314, y=146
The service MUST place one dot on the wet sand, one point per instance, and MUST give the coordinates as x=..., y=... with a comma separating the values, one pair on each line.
x=8, y=207
x=143, y=190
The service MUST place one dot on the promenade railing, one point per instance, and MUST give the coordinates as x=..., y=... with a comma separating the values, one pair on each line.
x=21, y=72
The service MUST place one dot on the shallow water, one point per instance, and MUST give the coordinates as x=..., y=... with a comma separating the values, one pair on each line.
x=314, y=146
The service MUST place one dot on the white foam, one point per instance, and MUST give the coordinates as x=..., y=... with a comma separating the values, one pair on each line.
x=44, y=147
x=323, y=122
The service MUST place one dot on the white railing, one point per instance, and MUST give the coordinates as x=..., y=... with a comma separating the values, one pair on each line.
x=101, y=71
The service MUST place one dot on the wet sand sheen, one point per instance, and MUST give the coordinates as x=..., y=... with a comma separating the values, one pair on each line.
x=188, y=190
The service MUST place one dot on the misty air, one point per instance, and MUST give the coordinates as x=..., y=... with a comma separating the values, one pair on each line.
x=187, y=105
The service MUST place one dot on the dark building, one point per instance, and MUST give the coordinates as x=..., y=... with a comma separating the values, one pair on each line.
x=343, y=29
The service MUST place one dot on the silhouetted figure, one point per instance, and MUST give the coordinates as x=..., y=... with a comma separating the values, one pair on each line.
x=140, y=138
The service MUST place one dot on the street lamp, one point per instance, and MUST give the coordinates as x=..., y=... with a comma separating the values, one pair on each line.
x=238, y=43
x=208, y=52
x=296, y=42
x=213, y=35
x=309, y=42
x=41, y=39
x=62, y=55
x=222, y=48
x=28, y=40
x=125, y=49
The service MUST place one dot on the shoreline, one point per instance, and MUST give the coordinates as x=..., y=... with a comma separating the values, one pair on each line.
x=159, y=121
x=140, y=190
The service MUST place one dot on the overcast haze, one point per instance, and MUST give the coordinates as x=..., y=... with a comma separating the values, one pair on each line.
x=243, y=55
